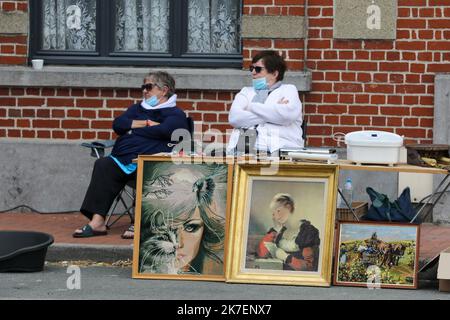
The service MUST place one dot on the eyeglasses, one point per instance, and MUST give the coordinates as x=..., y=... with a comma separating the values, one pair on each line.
x=148, y=86
x=257, y=69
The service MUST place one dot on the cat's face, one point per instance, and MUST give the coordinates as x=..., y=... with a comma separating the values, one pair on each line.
x=159, y=251
x=171, y=247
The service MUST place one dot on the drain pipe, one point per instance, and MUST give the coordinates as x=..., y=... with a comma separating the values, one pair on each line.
x=306, y=37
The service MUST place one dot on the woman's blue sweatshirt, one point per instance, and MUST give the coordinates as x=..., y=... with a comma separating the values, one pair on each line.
x=147, y=140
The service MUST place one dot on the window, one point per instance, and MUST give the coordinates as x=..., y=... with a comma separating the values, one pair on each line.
x=203, y=33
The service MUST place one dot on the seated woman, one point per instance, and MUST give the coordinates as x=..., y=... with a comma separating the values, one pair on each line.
x=145, y=128
x=270, y=108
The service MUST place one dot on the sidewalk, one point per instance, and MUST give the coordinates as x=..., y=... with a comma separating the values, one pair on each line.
x=434, y=238
x=61, y=227
x=108, y=248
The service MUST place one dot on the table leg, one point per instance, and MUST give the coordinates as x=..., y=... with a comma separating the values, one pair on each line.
x=348, y=205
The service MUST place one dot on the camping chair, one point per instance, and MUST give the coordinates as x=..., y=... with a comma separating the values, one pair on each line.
x=304, y=129
x=128, y=192
x=190, y=125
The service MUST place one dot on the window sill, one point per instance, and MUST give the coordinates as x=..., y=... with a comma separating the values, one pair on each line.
x=118, y=78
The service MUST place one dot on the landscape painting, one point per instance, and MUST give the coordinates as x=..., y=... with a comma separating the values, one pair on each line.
x=377, y=254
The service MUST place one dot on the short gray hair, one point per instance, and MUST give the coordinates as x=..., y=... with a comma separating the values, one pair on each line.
x=163, y=79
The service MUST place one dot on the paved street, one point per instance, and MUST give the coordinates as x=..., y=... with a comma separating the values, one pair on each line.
x=116, y=283
x=433, y=238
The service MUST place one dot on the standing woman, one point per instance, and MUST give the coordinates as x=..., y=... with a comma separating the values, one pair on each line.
x=271, y=108
x=145, y=128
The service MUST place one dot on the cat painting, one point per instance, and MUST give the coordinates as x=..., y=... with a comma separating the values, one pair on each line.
x=182, y=220
x=158, y=250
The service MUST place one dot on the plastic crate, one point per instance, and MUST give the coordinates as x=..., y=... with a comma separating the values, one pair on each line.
x=345, y=214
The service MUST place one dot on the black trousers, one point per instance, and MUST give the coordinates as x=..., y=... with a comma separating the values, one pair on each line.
x=106, y=182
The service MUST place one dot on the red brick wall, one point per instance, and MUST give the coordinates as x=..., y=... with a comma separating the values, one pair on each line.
x=357, y=84
x=292, y=49
x=366, y=84
x=73, y=114
x=386, y=85
x=13, y=48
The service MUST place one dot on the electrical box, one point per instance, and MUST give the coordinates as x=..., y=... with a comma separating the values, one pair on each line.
x=421, y=184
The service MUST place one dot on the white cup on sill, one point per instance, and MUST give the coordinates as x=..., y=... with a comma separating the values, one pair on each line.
x=38, y=64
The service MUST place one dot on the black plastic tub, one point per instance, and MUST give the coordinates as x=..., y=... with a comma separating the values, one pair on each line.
x=23, y=251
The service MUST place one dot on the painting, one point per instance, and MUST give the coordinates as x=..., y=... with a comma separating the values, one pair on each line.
x=181, y=218
x=282, y=225
x=377, y=255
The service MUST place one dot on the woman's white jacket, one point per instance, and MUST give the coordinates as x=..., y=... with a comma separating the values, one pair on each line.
x=278, y=124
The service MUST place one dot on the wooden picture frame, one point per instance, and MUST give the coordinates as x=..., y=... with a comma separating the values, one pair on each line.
x=254, y=254
x=182, y=210
x=377, y=255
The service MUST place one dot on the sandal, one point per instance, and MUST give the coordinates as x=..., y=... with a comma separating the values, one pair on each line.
x=129, y=233
x=87, y=232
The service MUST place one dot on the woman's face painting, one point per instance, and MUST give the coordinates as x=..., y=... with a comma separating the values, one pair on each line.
x=281, y=214
x=190, y=233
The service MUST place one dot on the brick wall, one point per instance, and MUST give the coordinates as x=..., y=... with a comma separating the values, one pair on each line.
x=292, y=49
x=13, y=47
x=357, y=84
x=382, y=85
x=387, y=85
x=73, y=114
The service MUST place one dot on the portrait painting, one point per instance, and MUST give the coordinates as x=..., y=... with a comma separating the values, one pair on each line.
x=375, y=254
x=283, y=224
x=181, y=219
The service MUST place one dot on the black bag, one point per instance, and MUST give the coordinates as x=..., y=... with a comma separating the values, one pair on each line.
x=247, y=141
x=382, y=209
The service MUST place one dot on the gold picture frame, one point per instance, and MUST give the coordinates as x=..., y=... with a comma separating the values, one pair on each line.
x=182, y=212
x=308, y=191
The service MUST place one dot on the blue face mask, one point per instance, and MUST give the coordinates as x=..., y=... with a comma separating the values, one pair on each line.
x=260, y=84
x=152, y=101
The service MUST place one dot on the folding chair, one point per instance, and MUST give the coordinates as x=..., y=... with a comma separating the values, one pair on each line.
x=129, y=191
x=304, y=129
x=190, y=124
x=192, y=147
